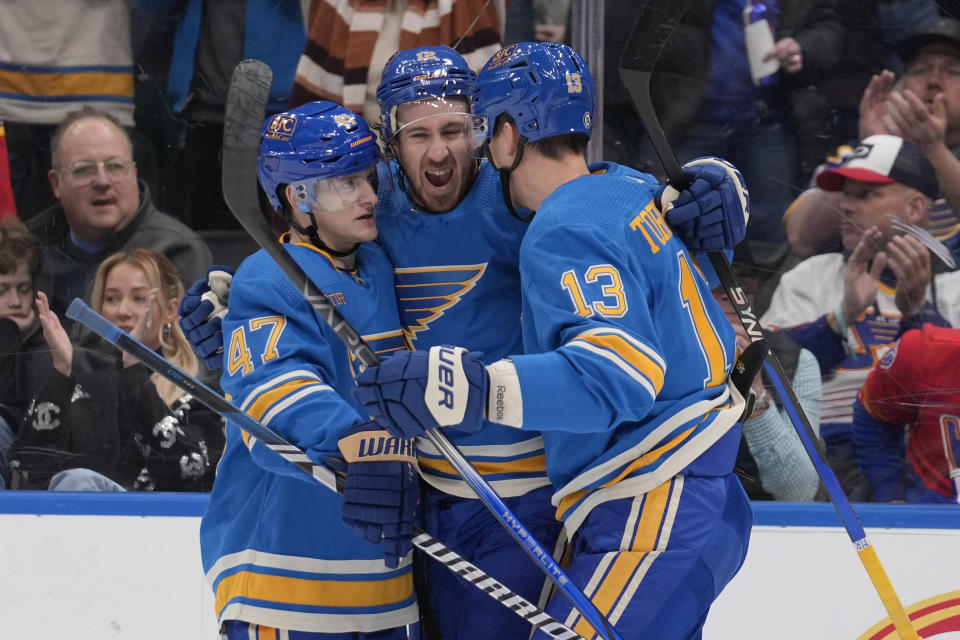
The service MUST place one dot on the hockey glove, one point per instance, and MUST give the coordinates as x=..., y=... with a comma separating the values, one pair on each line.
x=712, y=213
x=381, y=488
x=413, y=391
x=201, y=313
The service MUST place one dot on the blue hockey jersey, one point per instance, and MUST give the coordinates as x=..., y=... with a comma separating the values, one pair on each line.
x=626, y=351
x=272, y=541
x=458, y=282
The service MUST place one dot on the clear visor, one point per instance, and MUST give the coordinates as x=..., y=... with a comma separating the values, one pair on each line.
x=420, y=126
x=335, y=194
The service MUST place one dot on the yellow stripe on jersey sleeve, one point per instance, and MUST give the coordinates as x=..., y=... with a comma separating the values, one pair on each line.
x=313, y=593
x=278, y=398
x=630, y=355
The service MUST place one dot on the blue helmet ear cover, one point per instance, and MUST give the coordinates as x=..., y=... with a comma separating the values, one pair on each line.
x=545, y=87
x=317, y=140
x=420, y=74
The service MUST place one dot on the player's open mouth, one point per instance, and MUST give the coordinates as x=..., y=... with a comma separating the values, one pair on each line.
x=103, y=202
x=439, y=178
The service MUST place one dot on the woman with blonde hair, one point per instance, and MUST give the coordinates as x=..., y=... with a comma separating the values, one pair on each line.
x=119, y=428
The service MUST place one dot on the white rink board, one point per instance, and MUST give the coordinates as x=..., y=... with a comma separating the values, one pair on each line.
x=125, y=566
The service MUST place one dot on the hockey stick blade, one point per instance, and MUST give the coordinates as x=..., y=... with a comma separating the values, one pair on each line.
x=653, y=28
x=86, y=316
x=745, y=369
x=244, y=119
x=748, y=365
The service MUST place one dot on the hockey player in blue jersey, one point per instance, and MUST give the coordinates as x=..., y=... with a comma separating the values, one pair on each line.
x=273, y=545
x=454, y=247
x=625, y=367
x=454, y=244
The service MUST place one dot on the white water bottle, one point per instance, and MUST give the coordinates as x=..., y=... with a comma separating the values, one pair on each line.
x=759, y=38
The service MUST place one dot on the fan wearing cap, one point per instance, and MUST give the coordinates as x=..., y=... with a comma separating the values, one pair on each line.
x=925, y=110
x=848, y=307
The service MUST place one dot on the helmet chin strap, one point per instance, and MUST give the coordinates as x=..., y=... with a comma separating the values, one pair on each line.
x=505, y=176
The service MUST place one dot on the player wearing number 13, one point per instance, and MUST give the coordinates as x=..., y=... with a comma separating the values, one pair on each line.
x=625, y=365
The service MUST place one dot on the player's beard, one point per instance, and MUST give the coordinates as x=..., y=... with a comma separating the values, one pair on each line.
x=426, y=196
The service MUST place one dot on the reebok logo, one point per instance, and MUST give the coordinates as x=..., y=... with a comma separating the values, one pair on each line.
x=499, y=408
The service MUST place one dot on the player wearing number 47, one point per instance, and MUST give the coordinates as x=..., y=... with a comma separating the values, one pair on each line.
x=625, y=367
x=272, y=541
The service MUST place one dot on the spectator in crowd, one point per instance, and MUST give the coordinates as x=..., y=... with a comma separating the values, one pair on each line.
x=120, y=428
x=349, y=41
x=906, y=422
x=209, y=40
x=709, y=105
x=24, y=356
x=55, y=56
x=103, y=208
x=926, y=112
x=847, y=307
x=771, y=450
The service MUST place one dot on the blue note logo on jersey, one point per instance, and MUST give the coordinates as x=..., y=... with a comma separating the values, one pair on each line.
x=426, y=293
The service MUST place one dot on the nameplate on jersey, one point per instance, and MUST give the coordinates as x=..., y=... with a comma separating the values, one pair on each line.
x=377, y=446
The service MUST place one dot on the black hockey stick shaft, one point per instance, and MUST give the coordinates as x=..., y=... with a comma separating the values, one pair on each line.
x=245, y=106
x=654, y=25
x=86, y=316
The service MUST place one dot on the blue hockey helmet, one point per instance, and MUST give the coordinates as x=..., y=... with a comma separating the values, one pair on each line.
x=546, y=87
x=419, y=74
x=315, y=141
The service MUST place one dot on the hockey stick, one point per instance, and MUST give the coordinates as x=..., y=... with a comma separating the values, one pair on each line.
x=86, y=316
x=655, y=22
x=246, y=100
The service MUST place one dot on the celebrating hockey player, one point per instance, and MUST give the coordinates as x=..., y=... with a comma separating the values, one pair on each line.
x=626, y=364
x=454, y=244
x=273, y=545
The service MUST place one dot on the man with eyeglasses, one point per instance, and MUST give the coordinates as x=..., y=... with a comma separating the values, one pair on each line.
x=103, y=208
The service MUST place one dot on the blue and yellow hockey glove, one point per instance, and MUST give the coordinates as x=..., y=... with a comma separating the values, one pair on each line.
x=381, y=488
x=413, y=391
x=201, y=314
x=712, y=213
